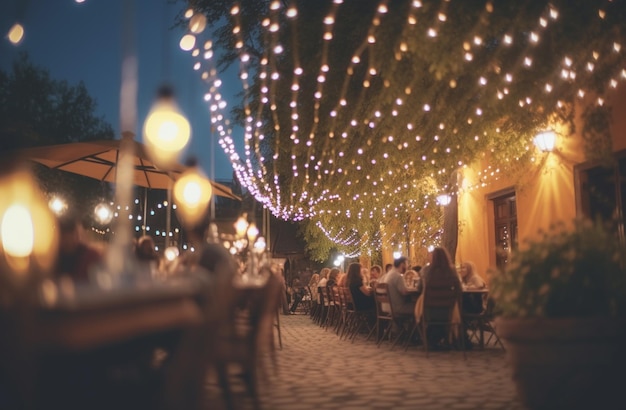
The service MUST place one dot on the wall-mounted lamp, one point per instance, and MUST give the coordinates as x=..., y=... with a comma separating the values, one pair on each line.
x=444, y=199
x=545, y=140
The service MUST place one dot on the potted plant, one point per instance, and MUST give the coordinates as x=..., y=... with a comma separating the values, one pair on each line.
x=561, y=305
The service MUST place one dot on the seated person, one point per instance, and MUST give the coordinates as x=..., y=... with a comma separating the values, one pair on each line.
x=297, y=293
x=439, y=273
x=410, y=278
x=398, y=292
x=362, y=296
x=470, y=278
x=146, y=255
x=375, y=272
x=76, y=258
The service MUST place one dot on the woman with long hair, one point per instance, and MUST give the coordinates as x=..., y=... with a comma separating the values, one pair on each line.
x=361, y=295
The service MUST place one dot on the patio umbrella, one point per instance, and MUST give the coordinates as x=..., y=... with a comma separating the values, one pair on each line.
x=98, y=160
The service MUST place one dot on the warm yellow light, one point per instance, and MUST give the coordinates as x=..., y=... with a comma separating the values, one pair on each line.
x=103, y=214
x=187, y=42
x=57, y=205
x=166, y=130
x=252, y=232
x=259, y=245
x=192, y=193
x=241, y=225
x=16, y=34
x=27, y=227
x=545, y=140
x=17, y=231
x=444, y=199
x=171, y=253
x=197, y=24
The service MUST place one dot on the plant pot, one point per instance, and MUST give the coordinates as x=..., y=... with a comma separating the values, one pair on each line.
x=568, y=363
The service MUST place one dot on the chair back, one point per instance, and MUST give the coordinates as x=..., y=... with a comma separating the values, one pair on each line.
x=383, y=304
x=349, y=301
x=321, y=296
x=325, y=296
x=337, y=295
x=440, y=295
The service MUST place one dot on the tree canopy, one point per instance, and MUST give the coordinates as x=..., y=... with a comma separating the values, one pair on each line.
x=36, y=109
x=357, y=114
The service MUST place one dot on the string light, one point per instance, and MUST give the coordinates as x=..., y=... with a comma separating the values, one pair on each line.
x=328, y=168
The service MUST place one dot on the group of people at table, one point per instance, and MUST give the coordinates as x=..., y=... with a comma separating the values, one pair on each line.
x=404, y=285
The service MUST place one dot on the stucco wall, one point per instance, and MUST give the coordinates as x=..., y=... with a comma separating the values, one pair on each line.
x=545, y=192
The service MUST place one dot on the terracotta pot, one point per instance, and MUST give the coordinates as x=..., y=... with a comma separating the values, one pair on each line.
x=569, y=363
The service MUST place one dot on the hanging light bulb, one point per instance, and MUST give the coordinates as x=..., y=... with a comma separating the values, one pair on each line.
x=103, y=213
x=197, y=23
x=241, y=225
x=252, y=233
x=16, y=34
x=192, y=193
x=28, y=234
x=166, y=130
x=57, y=205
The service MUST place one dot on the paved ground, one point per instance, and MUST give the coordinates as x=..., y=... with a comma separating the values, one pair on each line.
x=319, y=371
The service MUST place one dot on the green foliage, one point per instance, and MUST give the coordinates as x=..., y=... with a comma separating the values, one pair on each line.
x=36, y=109
x=568, y=272
x=373, y=159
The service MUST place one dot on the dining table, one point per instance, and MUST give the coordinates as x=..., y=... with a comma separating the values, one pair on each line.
x=82, y=344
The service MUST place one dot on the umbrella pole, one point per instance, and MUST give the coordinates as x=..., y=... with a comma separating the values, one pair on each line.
x=145, y=209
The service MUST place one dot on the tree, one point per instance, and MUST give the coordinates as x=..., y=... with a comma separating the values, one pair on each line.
x=356, y=114
x=38, y=110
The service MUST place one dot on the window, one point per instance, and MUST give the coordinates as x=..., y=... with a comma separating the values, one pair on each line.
x=602, y=192
x=505, y=221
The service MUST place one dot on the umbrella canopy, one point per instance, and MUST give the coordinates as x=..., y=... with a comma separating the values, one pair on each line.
x=98, y=160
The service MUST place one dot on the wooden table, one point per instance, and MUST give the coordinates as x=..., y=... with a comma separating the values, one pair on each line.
x=95, y=347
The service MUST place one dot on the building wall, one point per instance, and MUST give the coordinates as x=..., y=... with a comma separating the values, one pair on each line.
x=545, y=193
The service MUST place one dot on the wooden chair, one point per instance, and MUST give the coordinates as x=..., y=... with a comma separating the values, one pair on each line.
x=339, y=317
x=440, y=299
x=320, y=312
x=356, y=318
x=477, y=324
x=384, y=319
x=249, y=336
x=329, y=305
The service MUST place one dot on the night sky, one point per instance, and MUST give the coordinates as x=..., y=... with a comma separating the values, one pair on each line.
x=84, y=42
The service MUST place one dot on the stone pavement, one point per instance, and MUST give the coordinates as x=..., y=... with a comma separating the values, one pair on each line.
x=319, y=371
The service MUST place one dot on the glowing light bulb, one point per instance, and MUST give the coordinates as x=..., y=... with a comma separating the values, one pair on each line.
x=188, y=42
x=192, y=193
x=16, y=34
x=103, y=213
x=166, y=130
x=17, y=231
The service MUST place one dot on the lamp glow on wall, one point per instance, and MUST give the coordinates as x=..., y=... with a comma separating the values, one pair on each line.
x=444, y=199
x=28, y=233
x=166, y=130
x=545, y=140
x=192, y=193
